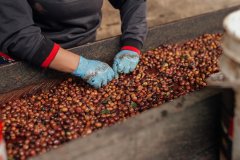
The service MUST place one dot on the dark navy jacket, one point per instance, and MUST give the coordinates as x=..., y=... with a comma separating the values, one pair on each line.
x=31, y=30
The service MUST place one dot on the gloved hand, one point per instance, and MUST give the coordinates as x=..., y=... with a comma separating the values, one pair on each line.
x=125, y=62
x=94, y=72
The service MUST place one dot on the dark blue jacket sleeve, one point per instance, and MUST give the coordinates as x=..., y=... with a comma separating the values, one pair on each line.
x=134, y=23
x=20, y=38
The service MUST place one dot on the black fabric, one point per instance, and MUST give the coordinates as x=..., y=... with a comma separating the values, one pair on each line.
x=132, y=42
x=44, y=50
x=133, y=16
x=67, y=22
x=28, y=28
x=20, y=38
x=117, y=3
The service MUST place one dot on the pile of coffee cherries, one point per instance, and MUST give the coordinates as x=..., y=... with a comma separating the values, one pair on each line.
x=37, y=123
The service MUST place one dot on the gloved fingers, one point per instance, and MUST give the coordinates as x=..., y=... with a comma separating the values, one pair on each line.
x=126, y=69
x=115, y=68
x=116, y=75
x=104, y=82
x=120, y=68
x=107, y=76
x=95, y=82
x=110, y=75
x=97, y=85
x=126, y=64
x=132, y=67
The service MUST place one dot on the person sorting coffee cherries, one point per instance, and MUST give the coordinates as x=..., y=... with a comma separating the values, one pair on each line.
x=40, y=31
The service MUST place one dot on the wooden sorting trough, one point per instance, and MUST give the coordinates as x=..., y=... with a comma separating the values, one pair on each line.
x=186, y=128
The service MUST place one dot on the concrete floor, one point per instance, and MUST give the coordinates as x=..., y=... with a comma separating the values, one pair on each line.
x=161, y=11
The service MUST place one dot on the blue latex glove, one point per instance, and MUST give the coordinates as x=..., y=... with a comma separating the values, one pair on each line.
x=94, y=72
x=125, y=62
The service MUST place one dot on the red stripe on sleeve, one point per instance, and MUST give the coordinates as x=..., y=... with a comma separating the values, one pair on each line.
x=131, y=48
x=5, y=56
x=51, y=56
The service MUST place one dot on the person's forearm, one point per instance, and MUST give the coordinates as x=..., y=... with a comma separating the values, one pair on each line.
x=65, y=61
